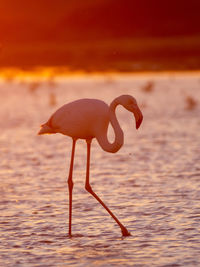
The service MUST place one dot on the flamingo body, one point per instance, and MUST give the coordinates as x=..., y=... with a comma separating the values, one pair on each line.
x=88, y=119
x=82, y=119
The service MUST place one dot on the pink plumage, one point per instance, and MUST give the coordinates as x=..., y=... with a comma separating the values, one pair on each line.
x=88, y=119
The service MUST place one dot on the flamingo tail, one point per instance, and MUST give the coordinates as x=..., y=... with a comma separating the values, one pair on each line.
x=46, y=129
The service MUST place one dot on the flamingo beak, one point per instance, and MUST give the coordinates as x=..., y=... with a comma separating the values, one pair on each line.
x=138, y=117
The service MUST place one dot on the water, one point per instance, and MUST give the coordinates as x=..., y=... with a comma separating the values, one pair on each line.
x=152, y=184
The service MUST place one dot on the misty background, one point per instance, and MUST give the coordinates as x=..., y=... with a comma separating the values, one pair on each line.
x=96, y=35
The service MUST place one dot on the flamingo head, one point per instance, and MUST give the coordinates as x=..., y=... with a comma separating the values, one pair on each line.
x=130, y=103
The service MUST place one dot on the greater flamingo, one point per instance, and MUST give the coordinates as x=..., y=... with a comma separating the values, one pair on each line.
x=88, y=119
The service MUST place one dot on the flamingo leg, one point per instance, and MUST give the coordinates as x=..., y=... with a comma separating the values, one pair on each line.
x=89, y=189
x=70, y=185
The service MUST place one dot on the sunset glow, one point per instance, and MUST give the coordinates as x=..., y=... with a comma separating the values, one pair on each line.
x=115, y=85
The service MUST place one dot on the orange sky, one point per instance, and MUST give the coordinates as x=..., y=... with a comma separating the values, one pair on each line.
x=63, y=20
x=99, y=34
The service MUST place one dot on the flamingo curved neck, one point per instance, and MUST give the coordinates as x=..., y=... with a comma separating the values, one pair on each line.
x=119, y=136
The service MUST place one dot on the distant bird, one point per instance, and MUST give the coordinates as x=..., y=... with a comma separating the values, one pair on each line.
x=191, y=103
x=33, y=86
x=52, y=99
x=88, y=119
x=148, y=88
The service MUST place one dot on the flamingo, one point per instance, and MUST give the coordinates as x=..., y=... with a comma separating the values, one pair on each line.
x=88, y=119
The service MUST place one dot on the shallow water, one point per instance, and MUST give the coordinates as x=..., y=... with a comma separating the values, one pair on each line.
x=152, y=184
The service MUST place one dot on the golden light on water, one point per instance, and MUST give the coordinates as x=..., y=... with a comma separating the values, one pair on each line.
x=45, y=73
x=38, y=72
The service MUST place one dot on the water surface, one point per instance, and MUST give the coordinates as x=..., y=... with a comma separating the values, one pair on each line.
x=152, y=184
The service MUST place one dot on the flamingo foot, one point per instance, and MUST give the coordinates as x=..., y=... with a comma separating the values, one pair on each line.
x=125, y=232
x=70, y=235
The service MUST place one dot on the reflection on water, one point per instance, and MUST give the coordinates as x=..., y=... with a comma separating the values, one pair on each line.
x=152, y=184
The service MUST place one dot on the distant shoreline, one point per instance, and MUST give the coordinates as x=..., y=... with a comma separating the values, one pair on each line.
x=50, y=73
x=112, y=55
